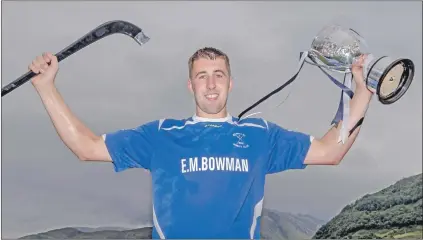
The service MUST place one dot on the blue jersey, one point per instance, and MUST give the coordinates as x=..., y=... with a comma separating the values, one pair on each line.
x=208, y=175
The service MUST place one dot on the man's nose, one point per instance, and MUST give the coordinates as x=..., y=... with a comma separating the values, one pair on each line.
x=211, y=83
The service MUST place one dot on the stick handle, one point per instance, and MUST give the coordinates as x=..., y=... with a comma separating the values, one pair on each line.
x=18, y=82
x=94, y=35
x=30, y=74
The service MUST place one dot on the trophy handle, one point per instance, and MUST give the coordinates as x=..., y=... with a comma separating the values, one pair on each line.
x=360, y=38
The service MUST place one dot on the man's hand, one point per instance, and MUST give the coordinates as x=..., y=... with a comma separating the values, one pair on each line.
x=327, y=150
x=47, y=66
x=358, y=74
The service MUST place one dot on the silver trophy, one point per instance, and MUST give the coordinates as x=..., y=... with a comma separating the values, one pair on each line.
x=336, y=48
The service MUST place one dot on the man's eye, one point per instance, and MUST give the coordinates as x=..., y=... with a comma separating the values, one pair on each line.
x=202, y=77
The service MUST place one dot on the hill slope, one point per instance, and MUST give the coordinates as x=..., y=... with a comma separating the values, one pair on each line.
x=281, y=225
x=393, y=212
x=275, y=225
x=74, y=233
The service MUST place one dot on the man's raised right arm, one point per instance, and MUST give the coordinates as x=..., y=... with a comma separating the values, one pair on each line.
x=76, y=136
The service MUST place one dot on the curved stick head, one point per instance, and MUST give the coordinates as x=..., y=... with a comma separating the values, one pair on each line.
x=141, y=38
x=127, y=28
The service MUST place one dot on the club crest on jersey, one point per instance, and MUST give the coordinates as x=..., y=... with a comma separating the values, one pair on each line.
x=240, y=143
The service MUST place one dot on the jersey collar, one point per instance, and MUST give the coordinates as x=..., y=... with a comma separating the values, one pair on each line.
x=196, y=118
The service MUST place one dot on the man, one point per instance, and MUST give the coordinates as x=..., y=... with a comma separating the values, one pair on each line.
x=208, y=171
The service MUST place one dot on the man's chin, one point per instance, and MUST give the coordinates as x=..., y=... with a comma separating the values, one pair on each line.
x=211, y=109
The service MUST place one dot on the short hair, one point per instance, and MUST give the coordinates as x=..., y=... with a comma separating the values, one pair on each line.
x=208, y=53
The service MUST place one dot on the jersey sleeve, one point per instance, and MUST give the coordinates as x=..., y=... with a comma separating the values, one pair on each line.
x=132, y=148
x=288, y=149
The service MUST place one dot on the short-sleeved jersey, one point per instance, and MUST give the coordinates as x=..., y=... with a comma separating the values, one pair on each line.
x=208, y=175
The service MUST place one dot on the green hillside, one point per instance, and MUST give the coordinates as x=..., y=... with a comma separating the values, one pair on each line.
x=275, y=225
x=393, y=212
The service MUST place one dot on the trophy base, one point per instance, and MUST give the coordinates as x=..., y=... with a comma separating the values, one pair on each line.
x=389, y=79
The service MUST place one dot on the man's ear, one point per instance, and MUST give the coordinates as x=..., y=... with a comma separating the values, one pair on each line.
x=230, y=84
x=190, y=88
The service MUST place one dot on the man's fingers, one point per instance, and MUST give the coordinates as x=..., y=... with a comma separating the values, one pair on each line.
x=46, y=57
x=51, y=56
x=33, y=67
x=359, y=62
x=45, y=64
x=40, y=60
x=39, y=63
x=363, y=58
x=50, y=59
x=42, y=63
x=30, y=67
x=54, y=62
x=43, y=67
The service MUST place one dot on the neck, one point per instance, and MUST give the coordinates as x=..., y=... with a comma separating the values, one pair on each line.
x=222, y=114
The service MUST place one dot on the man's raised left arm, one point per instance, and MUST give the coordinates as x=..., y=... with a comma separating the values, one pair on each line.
x=327, y=150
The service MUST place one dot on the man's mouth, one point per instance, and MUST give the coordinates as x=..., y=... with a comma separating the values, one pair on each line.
x=212, y=96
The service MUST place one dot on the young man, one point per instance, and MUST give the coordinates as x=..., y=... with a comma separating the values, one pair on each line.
x=208, y=171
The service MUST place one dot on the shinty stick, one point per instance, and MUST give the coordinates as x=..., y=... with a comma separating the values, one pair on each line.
x=103, y=30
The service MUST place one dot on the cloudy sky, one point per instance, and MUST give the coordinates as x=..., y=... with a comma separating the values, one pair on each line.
x=116, y=84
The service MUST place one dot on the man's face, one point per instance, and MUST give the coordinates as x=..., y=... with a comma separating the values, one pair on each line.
x=210, y=83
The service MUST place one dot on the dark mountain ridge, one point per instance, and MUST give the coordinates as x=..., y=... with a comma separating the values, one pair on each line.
x=393, y=212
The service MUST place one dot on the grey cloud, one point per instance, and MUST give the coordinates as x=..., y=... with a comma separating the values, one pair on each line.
x=116, y=84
